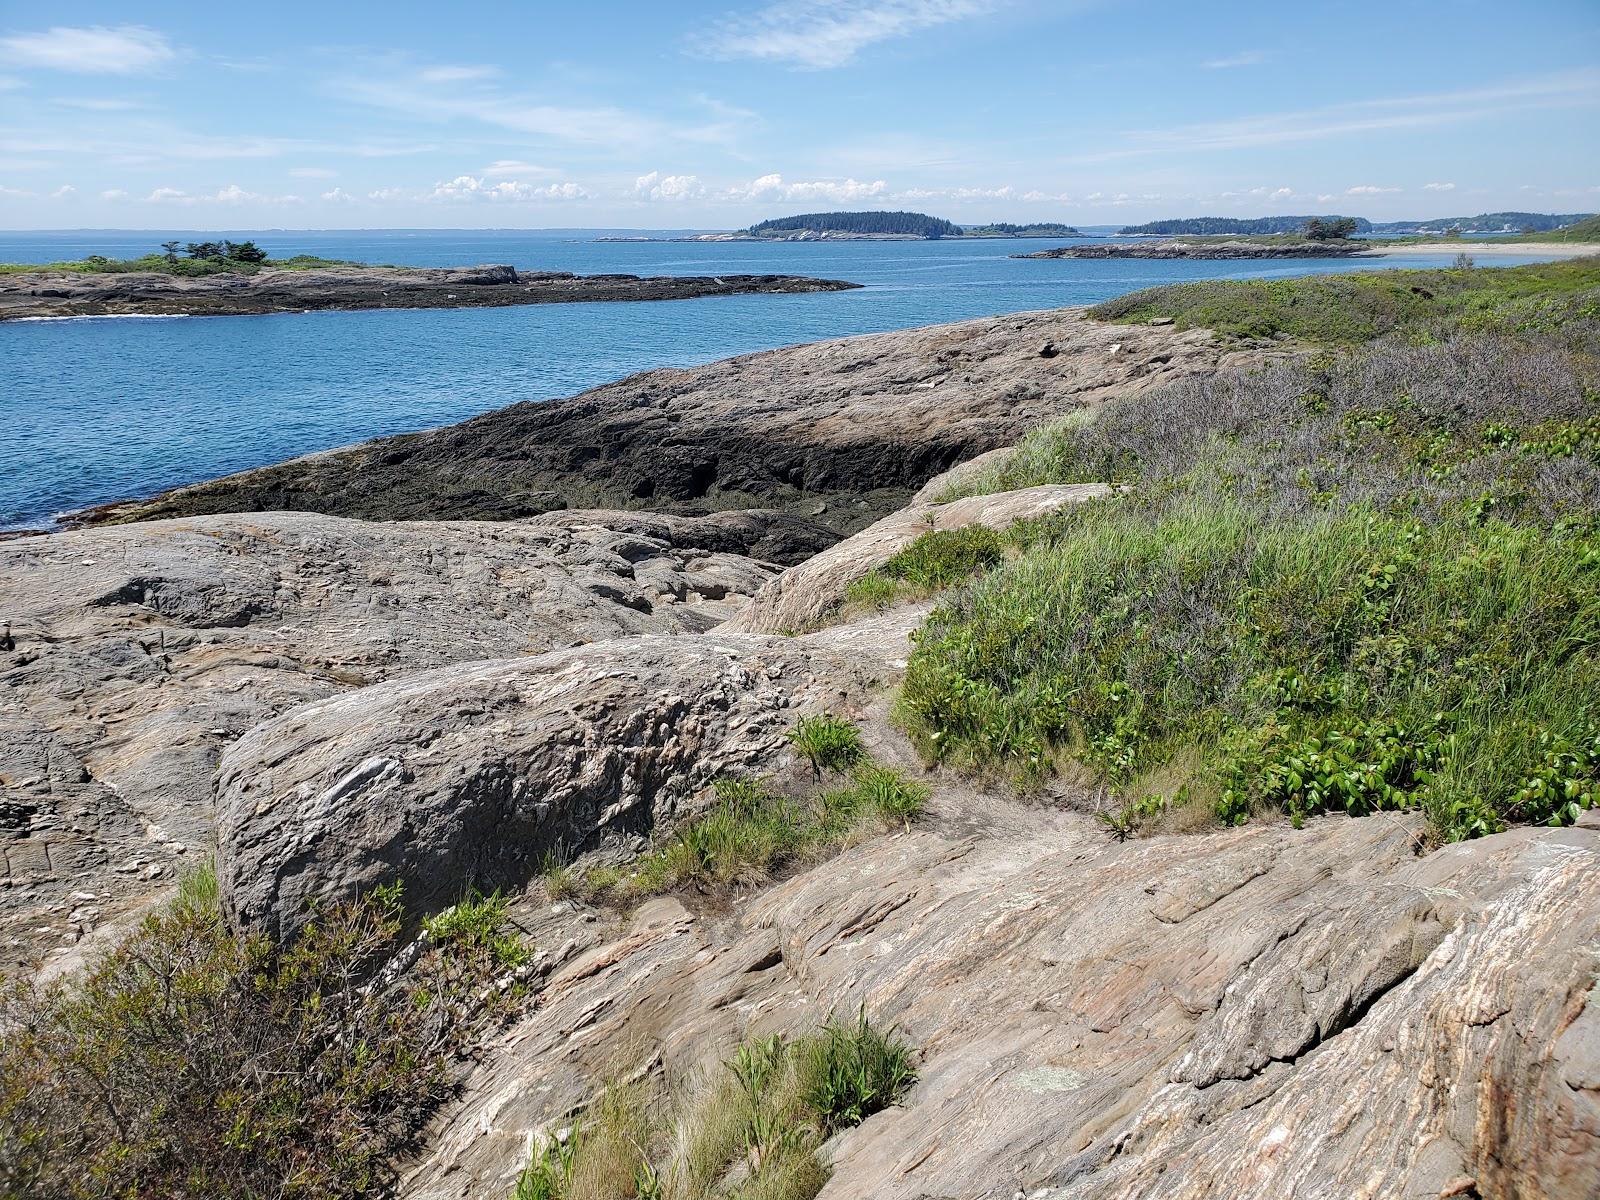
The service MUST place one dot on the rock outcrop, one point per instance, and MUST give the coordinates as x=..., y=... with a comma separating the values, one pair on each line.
x=1255, y=1014
x=803, y=597
x=469, y=776
x=140, y=652
x=47, y=293
x=841, y=431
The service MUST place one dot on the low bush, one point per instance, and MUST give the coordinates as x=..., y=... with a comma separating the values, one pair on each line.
x=192, y=1062
x=749, y=1132
x=1362, y=583
x=933, y=562
x=1361, y=306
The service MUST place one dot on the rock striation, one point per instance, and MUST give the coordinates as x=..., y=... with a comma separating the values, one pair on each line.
x=149, y=293
x=841, y=431
x=140, y=652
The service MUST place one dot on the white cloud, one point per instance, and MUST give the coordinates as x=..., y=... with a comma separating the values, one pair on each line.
x=62, y=192
x=231, y=194
x=113, y=194
x=90, y=50
x=1438, y=187
x=1367, y=189
x=339, y=196
x=383, y=195
x=1245, y=58
x=471, y=187
x=461, y=74
x=313, y=173
x=836, y=191
x=818, y=34
x=671, y=188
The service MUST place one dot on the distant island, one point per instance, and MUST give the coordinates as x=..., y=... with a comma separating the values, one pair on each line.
x=215, y=281
x=1284, y=246
x=873, y=227
x=1234, y=226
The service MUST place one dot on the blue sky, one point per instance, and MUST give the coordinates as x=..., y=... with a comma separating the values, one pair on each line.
x=653, y=115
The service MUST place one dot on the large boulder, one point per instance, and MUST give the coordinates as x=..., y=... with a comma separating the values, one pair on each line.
x=804, y=596
x=469, y=776
x=141, y=651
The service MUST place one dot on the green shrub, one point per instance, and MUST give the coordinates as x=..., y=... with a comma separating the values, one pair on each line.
x=477, y=923
x=1358, y=307
x=936, y=560
x=191, y=1062
x=829, y=743
x=852, y=1071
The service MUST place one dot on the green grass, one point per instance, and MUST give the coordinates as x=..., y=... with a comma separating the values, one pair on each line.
x=933, y=562
x=189, y=1061
x=750, y=833
x=828, y=743
x=750, y=1131
x=183, y=266
x=1367, y=581
x=1358, y=307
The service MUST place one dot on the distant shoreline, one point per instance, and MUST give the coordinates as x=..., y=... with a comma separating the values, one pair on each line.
x=45, y=294
x=1488, y=249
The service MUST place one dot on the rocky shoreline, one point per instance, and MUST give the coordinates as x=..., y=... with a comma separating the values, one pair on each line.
x=1201, y=249
x=72, y=294
x=324, y=703
x=841, y=432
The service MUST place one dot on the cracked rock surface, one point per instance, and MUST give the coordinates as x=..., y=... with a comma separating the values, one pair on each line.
x=142, y=651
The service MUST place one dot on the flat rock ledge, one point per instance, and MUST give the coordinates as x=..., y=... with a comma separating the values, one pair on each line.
x=150, y=293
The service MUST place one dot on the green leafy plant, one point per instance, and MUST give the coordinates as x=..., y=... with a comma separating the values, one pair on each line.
x=828, y=743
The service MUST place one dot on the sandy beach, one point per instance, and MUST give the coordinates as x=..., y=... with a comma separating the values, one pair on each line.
x=1491, y=249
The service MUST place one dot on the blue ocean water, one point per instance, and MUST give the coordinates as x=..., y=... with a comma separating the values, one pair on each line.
x=95, y=410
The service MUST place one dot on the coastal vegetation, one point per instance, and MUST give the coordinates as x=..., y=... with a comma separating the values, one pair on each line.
x=750, y=1130
x=1036, y=229
x=1235, y=225
x=196, y=259
x=753, y=831
x=905, y=224
x=190, y=1060
x=1351, y=309
x=1368, y=580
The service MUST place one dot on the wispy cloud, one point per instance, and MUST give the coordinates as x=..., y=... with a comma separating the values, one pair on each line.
x=90, y=50
x=1438, y=187
x=819, y=34
x=1369, y=189
x=233, y=194
x=1245, y=58
x=405, y=90
x=312, y=172
x=515, y=168
x=1567, y=89
x=458, y=74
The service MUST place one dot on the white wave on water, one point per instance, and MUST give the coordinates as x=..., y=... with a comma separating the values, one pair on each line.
x=113, y=317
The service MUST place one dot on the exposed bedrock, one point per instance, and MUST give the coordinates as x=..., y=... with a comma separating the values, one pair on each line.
x=843, y=431
x=141, y=651
x=1255, y=1013
x=468, y=776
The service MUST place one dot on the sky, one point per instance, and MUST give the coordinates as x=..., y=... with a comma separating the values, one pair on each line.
x=686, y=114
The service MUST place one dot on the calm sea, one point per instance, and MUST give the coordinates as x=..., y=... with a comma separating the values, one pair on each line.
x=105, y=409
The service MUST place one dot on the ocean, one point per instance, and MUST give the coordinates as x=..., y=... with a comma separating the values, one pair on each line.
x=102, y=409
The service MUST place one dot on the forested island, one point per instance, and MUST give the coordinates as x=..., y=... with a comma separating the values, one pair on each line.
x=878, y=226
x=1234, y=226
